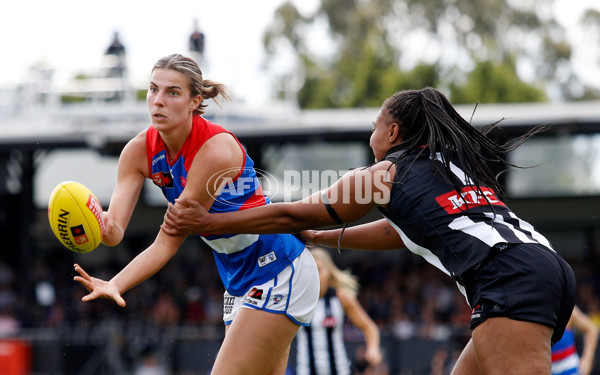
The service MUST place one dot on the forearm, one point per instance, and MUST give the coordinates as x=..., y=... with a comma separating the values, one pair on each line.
x=272, y=218
x=144, y=265
x=372, y=335
x=589, y=347
x=378, y=235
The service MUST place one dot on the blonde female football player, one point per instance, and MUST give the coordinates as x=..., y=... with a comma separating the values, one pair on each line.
x=271, y=281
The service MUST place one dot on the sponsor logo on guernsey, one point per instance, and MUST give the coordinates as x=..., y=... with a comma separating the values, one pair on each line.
x=267, y=259
x=329, y=322
x=278, y=298
x=79, y=234
x=469, y=197
x=158, y=158
x=162, y=179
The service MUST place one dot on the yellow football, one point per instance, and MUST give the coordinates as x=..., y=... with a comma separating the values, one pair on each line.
x=76, y=217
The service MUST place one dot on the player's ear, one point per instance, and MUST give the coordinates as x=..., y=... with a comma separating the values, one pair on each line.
x=394, y=133
x=196, y=103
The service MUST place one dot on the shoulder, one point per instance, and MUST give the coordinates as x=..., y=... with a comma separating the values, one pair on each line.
x=382, y=173
x=221, y=153
x=220, y=146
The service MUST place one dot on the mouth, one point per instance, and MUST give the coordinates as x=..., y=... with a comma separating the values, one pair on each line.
x=158, y=116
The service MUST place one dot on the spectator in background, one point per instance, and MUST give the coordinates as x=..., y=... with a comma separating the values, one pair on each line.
x=565, y=359
x=320, y=346
x=116, y=66
x=116, y=47
x=196, y=44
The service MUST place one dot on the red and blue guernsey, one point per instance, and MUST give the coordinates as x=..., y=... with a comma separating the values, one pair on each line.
x=243, y=260
x=565, y=359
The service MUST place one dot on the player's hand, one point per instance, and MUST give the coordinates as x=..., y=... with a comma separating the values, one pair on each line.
x=373, y=356
x=186, y=216
x=309, y=237
x=98, y=288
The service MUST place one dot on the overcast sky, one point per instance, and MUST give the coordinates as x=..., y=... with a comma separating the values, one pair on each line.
x=71, y=36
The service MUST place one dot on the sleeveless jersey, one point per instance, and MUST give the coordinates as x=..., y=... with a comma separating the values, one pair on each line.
x=451, y=231
x=242, y=260
x=320, y=348
x=565, y=360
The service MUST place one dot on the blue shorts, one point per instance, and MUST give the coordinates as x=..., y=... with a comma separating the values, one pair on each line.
x=527, y=282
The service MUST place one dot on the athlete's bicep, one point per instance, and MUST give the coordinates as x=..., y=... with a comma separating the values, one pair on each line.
x=356, y=192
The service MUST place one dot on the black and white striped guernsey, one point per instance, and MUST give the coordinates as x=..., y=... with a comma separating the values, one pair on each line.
x=320, y=346
x=451, y=231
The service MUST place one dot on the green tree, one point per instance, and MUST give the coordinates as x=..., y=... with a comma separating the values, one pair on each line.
x=447, y=43
x=492, y=82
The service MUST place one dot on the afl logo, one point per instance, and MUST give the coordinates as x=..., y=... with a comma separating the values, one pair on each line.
x=243, y=188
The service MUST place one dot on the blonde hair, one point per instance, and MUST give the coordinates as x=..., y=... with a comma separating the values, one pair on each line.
x=343, y=279
x=198, y=85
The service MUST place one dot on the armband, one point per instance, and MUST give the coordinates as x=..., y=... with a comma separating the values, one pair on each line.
x=330, y=209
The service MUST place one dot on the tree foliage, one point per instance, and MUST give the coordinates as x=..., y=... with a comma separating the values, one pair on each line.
x=470, y=48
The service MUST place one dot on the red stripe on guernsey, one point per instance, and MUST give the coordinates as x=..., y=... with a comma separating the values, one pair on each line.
x=562, y=354
x=469, y=197
x=257, y=199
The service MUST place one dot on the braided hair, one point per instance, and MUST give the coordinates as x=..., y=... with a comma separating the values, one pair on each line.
x=427, y=120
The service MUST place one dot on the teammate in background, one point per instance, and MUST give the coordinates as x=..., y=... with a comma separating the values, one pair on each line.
x=434, y=184
x=320, y=347
x=271, y=281
x=565, y=359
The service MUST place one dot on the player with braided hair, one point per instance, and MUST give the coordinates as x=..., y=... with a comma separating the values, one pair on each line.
x=433, y=183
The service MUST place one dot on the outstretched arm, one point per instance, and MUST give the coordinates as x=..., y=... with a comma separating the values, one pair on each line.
x=218, y=154
x=351, y=197
x=146, y=264
x=377, y=235
x=187, y=216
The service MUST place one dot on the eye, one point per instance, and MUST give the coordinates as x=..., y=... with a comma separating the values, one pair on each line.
x=173, y=93
x=153, y=89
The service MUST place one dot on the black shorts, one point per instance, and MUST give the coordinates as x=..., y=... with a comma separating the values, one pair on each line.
x=525, y=282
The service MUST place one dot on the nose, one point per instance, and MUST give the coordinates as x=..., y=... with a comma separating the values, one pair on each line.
x=158, y=98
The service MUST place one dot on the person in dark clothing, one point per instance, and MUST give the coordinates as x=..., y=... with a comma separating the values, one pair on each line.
x=433, y=183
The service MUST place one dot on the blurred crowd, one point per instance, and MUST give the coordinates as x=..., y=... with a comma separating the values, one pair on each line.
x=405, y=296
